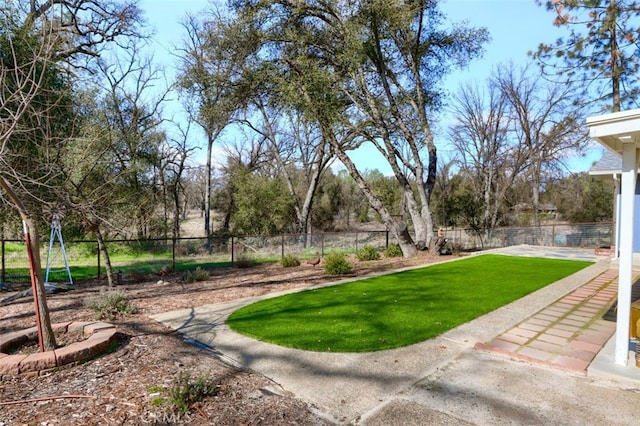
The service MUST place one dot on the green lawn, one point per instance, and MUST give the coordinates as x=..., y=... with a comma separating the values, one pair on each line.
x=399, y=309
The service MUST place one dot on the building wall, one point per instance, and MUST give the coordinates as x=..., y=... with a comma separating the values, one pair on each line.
x=636, y=219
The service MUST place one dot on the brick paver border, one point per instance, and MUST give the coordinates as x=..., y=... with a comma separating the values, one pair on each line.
x=98, y=338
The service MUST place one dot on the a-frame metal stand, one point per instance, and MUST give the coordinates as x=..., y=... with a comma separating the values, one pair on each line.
x=56, y=232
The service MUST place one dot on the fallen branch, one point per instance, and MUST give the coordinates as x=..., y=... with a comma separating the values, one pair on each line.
x=46, y=398
x=199, y=410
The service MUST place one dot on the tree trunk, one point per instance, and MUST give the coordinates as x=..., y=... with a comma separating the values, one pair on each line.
x=46, y=336
x=207, y=195
x=419, y=228
x=399, y=229
x=615, y=60
x=107, y=260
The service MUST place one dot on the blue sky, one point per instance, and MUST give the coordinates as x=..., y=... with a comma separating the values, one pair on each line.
x=516, y=27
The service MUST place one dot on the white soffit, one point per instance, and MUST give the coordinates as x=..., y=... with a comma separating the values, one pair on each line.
x=616, y=129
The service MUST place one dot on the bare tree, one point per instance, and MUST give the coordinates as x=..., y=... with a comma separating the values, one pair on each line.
x=488, y=160
x=176, y=166
x=545, y=123
x=134, y=105
x=519, y=129
x=24, y=69
x=49, y=33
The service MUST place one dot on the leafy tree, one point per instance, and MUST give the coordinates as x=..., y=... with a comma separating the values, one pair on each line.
x=604, y=58
x=388, y=190
x=367, y=73
x=468, y=210
x=329, y=211
x=211, y=67
x=582, y=198
x=263, y=206
x=246, y=157
x=297, y=150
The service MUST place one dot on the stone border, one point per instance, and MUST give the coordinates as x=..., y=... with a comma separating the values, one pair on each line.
x=99, y=336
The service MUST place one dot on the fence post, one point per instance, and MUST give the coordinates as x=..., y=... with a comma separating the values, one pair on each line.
x=282, y=247
x=99, y=261
x=386, y=242
x=232, y=244
x=322, y=245
x=173, y=254
x=3, y=279
x=356, y=241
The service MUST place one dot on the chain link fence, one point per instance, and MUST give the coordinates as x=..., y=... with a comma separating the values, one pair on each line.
x=583, y=235
x=154, y=255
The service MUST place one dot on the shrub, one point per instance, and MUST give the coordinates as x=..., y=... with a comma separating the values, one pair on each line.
x=289, y=261
x=184, y=393
x=393, y=250
x=110, y=305
x=197, y=274
x=243, y=261
x=367, y=252
x=336, y=263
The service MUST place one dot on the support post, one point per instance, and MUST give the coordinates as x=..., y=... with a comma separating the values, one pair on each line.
x=625, y=275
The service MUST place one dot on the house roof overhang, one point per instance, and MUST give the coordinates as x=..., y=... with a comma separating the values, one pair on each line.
x=616, y=129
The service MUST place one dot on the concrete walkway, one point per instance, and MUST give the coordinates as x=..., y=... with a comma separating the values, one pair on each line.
x=533, y=371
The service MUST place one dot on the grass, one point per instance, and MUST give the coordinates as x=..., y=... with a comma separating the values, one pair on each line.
x=399, y=309
x=87, y=272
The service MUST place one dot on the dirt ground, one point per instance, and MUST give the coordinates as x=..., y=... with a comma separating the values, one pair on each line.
x=133, y=384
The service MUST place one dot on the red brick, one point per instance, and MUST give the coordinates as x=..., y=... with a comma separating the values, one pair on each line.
x=538, y=321
x=518, y=340
x=10, y=364
x=533, y=327
x=545, y=346
x=571, y=363
x=78, y=326
x=575, y=353
x=92, y=328
x=522, y=332
x=556, y=340
x=10, y=340
x=559, y=332
x=585, y=346
x=535, y=353
x=74, y=352
x=38, y=361
x=503, y=345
